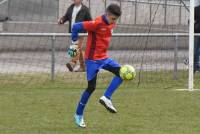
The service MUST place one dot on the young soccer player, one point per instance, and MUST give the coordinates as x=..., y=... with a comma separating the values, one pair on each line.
x=96, y=58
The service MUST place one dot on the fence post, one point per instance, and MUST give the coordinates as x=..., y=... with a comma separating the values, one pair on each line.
x=180, y=14
x=53, y=38
x=135, y=21
x=150, y=11
x=8, y=10
x=165, y=13
x=5, y=24
x=58, y=6
x=176, y=57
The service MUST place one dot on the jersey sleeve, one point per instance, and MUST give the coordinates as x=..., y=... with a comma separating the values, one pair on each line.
x=86, y=25
x=75, y=29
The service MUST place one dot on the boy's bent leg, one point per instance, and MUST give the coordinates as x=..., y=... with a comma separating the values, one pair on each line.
x=113, y=67
x=105, y=100
x=115, y=83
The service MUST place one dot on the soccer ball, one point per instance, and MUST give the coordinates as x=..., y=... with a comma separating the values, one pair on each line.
x=127, y=72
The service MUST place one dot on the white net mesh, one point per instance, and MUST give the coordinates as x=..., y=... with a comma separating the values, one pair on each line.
x=154, y=57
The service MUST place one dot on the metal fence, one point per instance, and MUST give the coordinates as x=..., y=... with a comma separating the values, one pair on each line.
x=53, y=37
x=182, y=8
x=48, y=10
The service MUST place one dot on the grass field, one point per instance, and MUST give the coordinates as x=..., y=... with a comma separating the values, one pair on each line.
x=35, y=105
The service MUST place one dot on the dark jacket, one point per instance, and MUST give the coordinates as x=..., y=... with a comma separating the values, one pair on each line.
x=82, y=15
x=197, y=19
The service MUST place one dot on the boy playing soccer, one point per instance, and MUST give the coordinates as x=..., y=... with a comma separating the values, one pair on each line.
x=96, y=58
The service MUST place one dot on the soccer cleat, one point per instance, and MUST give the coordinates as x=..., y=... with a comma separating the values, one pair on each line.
x=107, y=104
x=70, y=66
x=79, y=120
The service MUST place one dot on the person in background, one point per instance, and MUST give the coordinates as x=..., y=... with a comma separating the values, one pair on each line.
x=77, y=12
x=197, y=38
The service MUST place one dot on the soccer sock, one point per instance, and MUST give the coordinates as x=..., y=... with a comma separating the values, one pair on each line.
x=81, y=105
x=116, y=81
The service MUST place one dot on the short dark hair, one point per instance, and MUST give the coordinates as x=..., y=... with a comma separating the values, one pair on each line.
x=114, y=9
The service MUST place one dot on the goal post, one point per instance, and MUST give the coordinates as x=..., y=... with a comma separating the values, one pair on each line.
x=191, y=48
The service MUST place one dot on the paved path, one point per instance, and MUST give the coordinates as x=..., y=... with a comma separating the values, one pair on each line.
x=30, y=62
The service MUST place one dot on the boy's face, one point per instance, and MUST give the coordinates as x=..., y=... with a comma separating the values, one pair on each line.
x=77, y=1
x=112, y=18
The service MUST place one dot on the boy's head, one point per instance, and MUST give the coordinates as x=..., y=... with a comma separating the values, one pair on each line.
x=113, y=12
x=77, y=2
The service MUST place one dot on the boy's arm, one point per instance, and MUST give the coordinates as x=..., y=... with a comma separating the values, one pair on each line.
x=73, y=49
x=86, y=25
x=75, y=29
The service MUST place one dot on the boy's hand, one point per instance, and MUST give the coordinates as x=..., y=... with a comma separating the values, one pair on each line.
x=73, y=49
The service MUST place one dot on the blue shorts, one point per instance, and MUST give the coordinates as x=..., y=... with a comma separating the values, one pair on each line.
x=93, y=66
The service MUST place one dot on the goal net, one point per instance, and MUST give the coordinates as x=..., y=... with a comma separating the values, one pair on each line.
x=157, y=45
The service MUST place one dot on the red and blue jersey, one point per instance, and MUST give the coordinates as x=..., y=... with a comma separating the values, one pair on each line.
x=99, y=36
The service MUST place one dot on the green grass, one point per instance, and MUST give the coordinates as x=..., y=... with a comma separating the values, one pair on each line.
x=32, y=104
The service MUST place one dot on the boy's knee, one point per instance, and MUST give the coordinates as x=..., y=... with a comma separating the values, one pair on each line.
x=91, y=88
x=91, y=85
x=117, y=71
